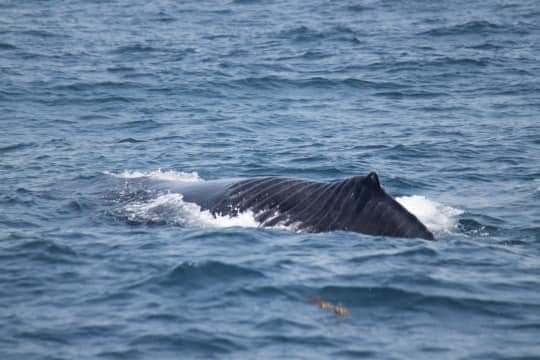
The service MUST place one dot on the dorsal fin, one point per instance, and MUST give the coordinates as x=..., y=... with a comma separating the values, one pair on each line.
x=373, y=179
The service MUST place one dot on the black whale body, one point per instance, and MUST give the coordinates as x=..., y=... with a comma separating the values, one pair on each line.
x=356, y=204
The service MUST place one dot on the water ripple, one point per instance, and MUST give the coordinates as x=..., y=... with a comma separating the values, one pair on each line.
x=15, y=147
x=471, y=27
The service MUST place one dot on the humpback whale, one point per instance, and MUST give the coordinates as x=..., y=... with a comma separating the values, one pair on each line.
x=357, y=204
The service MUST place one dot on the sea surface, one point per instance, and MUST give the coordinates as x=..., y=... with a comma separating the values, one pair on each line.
x=99, y=98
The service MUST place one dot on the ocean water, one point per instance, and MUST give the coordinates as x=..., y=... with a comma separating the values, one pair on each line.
x=100, y=99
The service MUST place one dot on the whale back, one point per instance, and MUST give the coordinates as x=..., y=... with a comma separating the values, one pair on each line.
x=357, y=204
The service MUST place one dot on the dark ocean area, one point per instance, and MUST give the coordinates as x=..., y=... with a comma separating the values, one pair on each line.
x=101, y=101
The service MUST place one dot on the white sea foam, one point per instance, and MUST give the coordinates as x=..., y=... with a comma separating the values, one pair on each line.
x=168, y=175
x=436, y=216
x=172, y=209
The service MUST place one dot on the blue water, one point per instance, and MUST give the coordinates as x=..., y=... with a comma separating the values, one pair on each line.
x=442, y=100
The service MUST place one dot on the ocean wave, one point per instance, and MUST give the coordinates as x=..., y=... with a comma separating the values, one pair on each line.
x=471, y=27
x=44, y=34
x=48, y=246
x=71, y=206
x=420, y=251
x=192, y=276
x=281, y=322
x=440, y=62
x=6, y=46
x=61, y=100
x=468, y=62
x=135, y=48
x=19, y=146
x=44, y=251
x=189, y=343
x=412, y=298
x=121, y=69
x=139, y=124
x=130, y=140
x=308, y=55
x=246, y=2
x=18, y=199
x=207, y=273
x=45, y=335
x=357, y=8
x=141, y=50
x=486, y=46
x=266, y=291
x=98, y=85
x=410, y=94
x=273, y=82
x=304, y=34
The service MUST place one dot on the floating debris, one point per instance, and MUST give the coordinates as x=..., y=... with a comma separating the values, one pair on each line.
x=338, y=309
